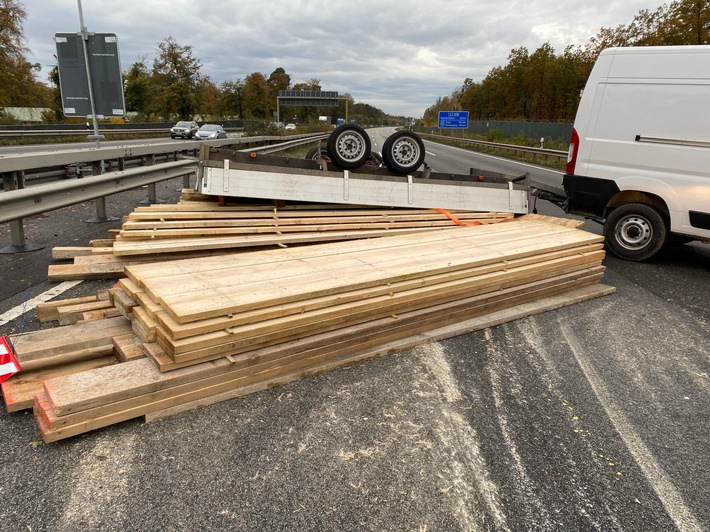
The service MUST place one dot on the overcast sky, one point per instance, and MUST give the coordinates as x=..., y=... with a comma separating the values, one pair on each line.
x=399, y=56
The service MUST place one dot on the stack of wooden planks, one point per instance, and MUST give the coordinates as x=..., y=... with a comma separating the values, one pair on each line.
x=219, y=327
x=196, y=227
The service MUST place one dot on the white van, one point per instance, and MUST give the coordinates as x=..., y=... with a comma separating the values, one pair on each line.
x=639, y=156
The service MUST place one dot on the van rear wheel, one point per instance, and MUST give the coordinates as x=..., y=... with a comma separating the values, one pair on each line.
x=635, y=231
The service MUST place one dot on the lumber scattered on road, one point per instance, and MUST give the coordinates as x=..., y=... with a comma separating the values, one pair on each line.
x=174, y=335
x=195, y=227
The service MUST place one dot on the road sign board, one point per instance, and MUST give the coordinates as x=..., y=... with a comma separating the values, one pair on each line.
x=105, y=67
x=308, y=98
x=453, y=119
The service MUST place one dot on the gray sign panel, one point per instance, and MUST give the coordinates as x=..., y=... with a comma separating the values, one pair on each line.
x=309, y=98
x=105, y=67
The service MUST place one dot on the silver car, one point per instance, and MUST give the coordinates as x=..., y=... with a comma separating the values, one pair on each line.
x=211, y=131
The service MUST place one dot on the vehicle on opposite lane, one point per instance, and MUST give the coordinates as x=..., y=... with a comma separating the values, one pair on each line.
x=185, y=129
x=211, y=131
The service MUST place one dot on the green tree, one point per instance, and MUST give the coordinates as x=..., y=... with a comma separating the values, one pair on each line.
x=139, y=89
x=232, y=98
x=257, y=97
x=176, y=78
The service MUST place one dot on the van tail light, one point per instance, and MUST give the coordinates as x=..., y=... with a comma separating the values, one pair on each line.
x=572, y=153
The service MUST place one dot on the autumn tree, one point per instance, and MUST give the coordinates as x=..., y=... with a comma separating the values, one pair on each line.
x=176, y=78
x=208, y=98
x=278, y=80
x=18, y=84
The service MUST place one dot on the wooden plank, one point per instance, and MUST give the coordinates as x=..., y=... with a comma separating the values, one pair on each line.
x=69, y=357
x=480, y=303
x=47, y=311
x=123, y=302
x=271, y=330
x=101, y=314
x=69, y=252
x=79, y=272
x=53, y=427
x=70, y=314
x=176, y=268
x=260, y=289
x=19, y=390
x=177, y=330
x=101, y=387
x=209, y=351
x=143, y=325
x=181, y=245
x=463, y=327
x=300, y=231
x=128, y=347
x=48, y=343
x=464, y=240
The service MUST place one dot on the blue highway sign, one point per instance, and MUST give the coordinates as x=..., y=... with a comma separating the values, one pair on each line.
x=453, y=119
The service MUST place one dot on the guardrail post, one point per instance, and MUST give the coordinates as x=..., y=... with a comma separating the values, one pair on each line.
x=16, y=181
x=98, y=169
x=17, y=237
x=150, y=161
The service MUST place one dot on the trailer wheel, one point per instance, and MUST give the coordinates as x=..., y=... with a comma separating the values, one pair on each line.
x=313, y=153
x=349, y=146
x=403, y=152
x=635, y=231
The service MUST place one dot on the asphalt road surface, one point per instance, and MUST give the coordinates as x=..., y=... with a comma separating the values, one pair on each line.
x=591, y=417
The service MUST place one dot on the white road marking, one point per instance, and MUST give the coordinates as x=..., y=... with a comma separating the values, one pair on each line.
x=32, y=303
x=430, y=153
x=659, y=480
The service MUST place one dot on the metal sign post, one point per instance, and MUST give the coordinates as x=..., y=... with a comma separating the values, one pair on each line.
x=90, y=84
x=85, y=47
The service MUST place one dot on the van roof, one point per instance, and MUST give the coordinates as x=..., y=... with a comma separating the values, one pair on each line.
x=658, y=62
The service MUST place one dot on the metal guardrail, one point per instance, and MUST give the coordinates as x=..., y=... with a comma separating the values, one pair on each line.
x=42, y=198
x=6, y=133
x=288, y=144
x=18, y=201
x=559, y=154
x=26, y=161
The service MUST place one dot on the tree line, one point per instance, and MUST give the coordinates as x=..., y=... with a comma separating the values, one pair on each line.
x=538, y=86
x=172, y=87
x=544, y=86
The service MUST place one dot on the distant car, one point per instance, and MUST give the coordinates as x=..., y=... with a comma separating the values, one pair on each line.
x=290, y=127
x=211, y=131
x=184, y=129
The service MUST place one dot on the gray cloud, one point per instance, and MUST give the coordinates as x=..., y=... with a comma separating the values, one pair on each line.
x=398, y=56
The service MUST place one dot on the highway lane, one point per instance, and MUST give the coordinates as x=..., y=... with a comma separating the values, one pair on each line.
x=591, y=417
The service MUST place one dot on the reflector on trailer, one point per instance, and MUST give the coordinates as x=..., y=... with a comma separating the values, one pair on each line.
x=8, y=361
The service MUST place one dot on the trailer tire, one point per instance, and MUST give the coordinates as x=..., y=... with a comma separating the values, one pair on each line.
x=349, y=146
x=313, y=153
x=403, y=152
x=635, y=231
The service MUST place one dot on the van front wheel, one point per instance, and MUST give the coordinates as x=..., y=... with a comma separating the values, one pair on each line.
x=635, y=231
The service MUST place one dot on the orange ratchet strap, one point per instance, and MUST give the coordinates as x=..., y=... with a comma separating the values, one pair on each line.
x=454, y=219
